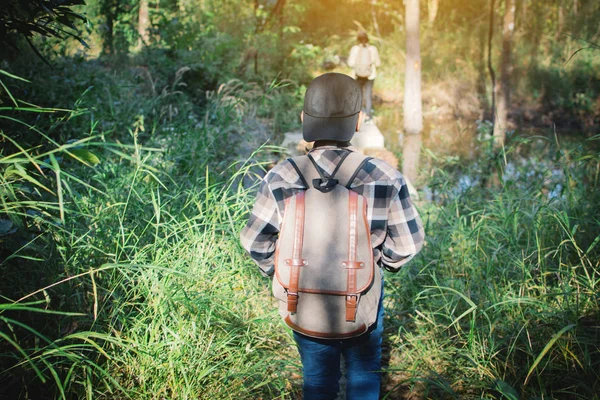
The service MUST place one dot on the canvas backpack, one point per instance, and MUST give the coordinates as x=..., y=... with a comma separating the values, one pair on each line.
x=362, y=68
x=325, y=280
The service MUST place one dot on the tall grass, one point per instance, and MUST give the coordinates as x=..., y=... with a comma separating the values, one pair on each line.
x=33, y=188
x=130, y=282
x=149, y=292
x=504, y=301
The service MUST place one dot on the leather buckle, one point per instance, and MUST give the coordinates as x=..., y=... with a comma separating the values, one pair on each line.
x=292, y=302
x=351, y=303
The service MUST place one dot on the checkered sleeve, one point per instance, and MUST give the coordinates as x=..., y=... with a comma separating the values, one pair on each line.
x=405, y=234
x=259, y=236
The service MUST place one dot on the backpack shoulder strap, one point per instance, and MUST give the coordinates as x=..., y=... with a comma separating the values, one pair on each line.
x=305, y=170
x=351, y=167
x=299, y=165
x=345, y=172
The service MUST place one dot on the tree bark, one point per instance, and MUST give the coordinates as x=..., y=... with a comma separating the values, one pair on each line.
x=538, y=11
x=143, y=24
x=108, y=9
x=411, y=154
x=413, y=109
x=432, y=9
x=490, y=65
x=560, y=20
x=503, y=87
x=481, y=71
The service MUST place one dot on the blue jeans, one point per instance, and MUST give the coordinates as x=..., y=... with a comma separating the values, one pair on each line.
x=362, y=355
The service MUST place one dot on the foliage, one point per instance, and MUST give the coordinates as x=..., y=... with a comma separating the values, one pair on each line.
x=26, y=18
x=107, y=237
x=123, y=195
x=504, y=297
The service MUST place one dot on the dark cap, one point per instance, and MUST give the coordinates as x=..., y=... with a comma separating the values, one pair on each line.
x=331, y=106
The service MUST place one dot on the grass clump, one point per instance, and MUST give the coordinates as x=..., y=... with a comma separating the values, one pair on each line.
x=125, y=279
x=503, y=302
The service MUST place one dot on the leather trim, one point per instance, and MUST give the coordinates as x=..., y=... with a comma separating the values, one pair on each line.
x=298, y=226
x=351, y=299
x=353, y=264
x=364, y=220
x=296, y=253
x=360, y=330
x=295, y=262
x=351, y=304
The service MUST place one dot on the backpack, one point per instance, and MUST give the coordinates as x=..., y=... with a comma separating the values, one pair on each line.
x=326, y=282
x=362, y=67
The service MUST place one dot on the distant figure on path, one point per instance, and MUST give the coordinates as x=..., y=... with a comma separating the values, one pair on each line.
x=364, y=60
x=385, y=234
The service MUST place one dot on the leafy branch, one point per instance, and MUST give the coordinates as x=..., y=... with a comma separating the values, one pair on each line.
x=26, y=18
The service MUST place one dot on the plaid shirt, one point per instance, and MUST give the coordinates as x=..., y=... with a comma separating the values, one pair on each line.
x=396, y=230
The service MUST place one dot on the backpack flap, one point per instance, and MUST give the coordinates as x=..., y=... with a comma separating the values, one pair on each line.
x=323, y=243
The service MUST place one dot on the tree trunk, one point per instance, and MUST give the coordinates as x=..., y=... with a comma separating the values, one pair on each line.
x=538, y=12
x=503, y=87
x=413, y=113
x=278, y=11
x=411, y=154
x=432, y=9
x=490, y=64
x=108, y=10
x=560, y=20
x=143, y=24
x=481, y=71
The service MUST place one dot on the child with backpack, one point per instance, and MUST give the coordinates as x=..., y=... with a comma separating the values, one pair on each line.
x=324, y=225
x=364, y=58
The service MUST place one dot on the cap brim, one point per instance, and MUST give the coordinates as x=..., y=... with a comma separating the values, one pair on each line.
x=340, y=129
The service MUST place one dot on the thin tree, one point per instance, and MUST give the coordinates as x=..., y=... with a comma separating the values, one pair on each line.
x=506, y=67
x=413, y=109
x=110, y=10
x=143, y=24
x=490, y=64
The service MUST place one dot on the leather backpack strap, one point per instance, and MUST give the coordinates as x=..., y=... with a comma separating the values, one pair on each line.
x=352, y=264
x=296, y=262
x=346, y=174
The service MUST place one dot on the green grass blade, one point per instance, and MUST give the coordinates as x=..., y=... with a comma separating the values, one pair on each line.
x=546, y=349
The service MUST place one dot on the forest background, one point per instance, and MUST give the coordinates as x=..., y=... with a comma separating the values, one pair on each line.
x=132, y=135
